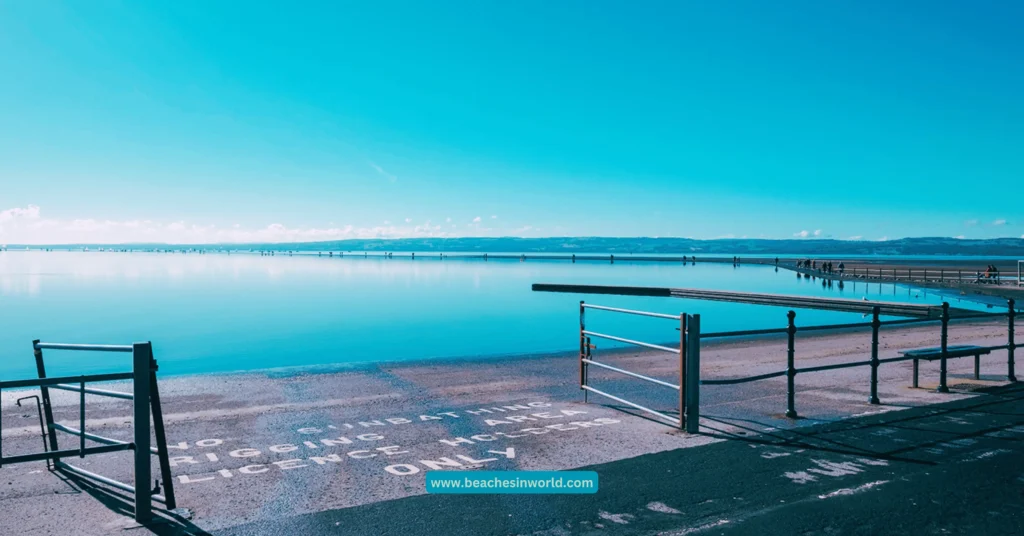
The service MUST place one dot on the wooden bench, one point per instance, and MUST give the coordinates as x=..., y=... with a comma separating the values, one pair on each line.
x=933, y=354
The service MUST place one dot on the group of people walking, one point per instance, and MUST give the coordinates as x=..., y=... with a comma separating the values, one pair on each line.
x=824, y=267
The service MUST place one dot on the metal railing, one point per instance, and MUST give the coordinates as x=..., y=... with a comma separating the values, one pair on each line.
x=145, y=398
x=688, y=354
x=875, y=324
x=912, y=275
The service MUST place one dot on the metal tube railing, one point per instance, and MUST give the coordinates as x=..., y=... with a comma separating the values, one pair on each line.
x=734, y=381
x=628, y=373
x=94, y=391
x=145, y=396
x=57, y=454
x=98, y=438
x=49, y=382
x=689, y=351
x=631, y=312
x=743, y=333
x=630, y=341
x=634, y=405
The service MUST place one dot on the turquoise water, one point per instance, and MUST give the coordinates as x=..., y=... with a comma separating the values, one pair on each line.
x=216, y=312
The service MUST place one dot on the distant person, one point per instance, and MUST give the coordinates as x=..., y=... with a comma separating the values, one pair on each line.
x=776, y=261
x=842, y=267
x=814, y=265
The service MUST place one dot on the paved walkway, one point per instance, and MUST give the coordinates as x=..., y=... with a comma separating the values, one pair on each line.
x=953, y=468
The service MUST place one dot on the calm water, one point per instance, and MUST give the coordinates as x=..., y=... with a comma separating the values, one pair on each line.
x=212, y=313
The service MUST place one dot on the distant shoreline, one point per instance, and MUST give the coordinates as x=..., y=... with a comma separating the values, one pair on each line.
x=994, y=247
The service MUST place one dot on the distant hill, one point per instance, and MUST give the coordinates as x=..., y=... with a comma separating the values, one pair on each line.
x=903, y=246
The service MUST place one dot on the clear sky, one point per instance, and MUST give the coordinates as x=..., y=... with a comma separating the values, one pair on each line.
x=194, y=121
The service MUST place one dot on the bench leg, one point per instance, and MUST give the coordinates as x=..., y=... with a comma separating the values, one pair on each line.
x=915, y=374
x=977, y=367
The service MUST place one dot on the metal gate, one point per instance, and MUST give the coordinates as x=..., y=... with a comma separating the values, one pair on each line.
x=688, y=354
x=145, y=397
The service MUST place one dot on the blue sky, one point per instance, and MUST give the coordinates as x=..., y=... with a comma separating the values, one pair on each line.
x=209, y=121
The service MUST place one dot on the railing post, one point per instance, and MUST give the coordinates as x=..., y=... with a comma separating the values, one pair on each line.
x=791, y=367
x=81, y=419
x=160, y=434
x=945, y=345
x=1011, y=343
x=693, y=376
x=583, y=350
x=682, y=371
x=143, y=474
x=45, y=394
x=875, y=324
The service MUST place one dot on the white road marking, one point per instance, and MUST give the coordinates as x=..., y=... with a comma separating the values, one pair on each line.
x=661, y=507
x=851, y=491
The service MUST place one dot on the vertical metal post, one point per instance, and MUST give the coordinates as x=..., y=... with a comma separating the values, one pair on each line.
x=945, y=345
x=1011, y=344
x=81, y=419
x=158, y=432
x=682, y=370
x=791, y=366
x=45, y=393
x=143, y=475
x=583, y=349
x=875, y=324
x=693, y=376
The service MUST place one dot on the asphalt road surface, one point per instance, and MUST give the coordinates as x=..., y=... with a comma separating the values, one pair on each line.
x=954, y=468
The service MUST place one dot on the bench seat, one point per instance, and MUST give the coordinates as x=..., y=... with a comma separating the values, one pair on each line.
x=932, y=354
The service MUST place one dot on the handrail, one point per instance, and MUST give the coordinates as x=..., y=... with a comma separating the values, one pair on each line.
x=734, y=381
x=50, y=382
x=633, y=374
x=672, y=420
x=631, y=311
x=741, y=333
x=630, y=341
x=93, y=391
x=98, y=438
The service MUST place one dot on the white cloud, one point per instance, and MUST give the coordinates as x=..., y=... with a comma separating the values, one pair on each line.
x=447, y=220
x=817, y=232
x=381, y=171
x=386, y=222
x=408, y=220
x=856, y=237
x=30, y=212
x=971, y=223
x=884, y=239
x=29, y=226
x=802, y=234
x=999, y=222
x=476, y=219
x=494, y=217
x=959, y=237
